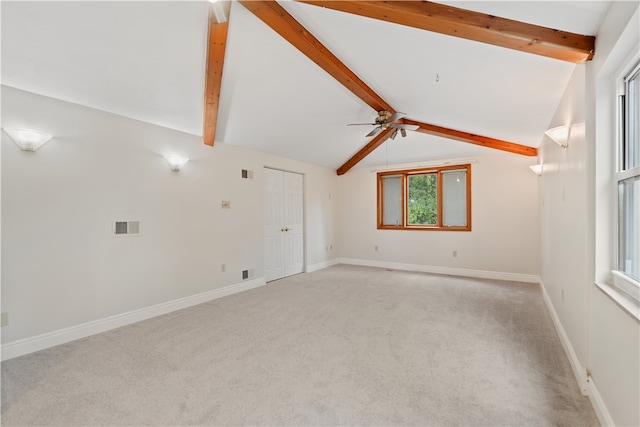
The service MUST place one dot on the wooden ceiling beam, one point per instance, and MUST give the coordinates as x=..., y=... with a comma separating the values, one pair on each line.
x=471, y=138
x=213, y=77
x=365, y=151
x=471, y=25
x=276, y=17
x=444, y=132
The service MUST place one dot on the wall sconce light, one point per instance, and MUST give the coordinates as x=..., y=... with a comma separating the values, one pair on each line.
x=537, y=169
x=560, y=135
x=28, y=139
x=176, y=162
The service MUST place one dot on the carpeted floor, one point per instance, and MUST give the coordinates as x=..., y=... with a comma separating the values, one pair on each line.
x=342, y=346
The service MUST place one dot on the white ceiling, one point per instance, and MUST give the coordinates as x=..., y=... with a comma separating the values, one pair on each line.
x=146, y=60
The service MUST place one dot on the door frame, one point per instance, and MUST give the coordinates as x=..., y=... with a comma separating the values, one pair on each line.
x=304, y=218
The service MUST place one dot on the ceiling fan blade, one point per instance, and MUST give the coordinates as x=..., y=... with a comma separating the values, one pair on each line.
x=403, y=126
x=394, y=133
x=397, y=116
x=361, y=124
x=375, y=131
x=403, y=133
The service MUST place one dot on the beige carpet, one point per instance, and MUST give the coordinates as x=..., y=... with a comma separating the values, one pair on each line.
x=342, y=346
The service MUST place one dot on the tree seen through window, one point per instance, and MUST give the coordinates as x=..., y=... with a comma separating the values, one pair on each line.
x=423, y=199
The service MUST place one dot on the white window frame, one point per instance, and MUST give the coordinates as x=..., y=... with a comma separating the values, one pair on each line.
x=623, y=283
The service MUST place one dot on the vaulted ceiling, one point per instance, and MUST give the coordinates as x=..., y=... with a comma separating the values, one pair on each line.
x=147, y=60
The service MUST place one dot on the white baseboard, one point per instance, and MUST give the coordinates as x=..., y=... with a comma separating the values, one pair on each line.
x=598, y=405
x=62, y=336
x=578, y=370
x=324, y=264
x=480, y=274
x=585, y=382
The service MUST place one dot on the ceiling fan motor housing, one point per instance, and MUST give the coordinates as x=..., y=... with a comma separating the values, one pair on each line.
x=383, y=117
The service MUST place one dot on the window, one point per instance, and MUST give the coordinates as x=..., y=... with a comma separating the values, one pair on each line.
x=436, y=198
x=627, y=179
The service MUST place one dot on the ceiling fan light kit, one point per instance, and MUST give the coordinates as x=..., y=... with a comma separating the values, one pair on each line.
x=387, y=120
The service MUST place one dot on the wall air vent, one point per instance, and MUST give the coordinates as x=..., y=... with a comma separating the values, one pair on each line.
x=126, y=228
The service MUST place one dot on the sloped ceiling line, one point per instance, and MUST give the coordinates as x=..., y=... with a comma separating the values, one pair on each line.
x=471, y=25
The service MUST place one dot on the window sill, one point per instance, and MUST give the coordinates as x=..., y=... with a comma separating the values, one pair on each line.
x=422, y=228
x=621, y=298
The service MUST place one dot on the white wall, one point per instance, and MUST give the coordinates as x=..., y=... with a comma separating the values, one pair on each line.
x=577, y=227
x=504, y=236
x=614, y=335
x=563, y=193
x=61, y=265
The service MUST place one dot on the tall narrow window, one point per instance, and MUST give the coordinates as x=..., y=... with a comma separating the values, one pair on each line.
x=454, y=198
x=392, y=200
x=627, y=177
x=436, y=198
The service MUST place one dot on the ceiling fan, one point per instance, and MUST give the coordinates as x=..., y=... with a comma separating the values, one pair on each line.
x=387, y=120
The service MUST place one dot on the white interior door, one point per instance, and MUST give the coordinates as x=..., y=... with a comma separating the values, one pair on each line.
x=293, y=241
x=274, y=224
x=284, y=237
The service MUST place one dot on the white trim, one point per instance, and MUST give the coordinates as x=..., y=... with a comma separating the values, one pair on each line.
x=324, y=264
x=578, y=371
x=626, y=284
x=62, y=336
x=598, y=405
x=480, y=274
x=625, y=301
x=585, y=382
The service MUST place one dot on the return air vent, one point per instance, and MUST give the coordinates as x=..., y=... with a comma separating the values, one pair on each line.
x=126, y=228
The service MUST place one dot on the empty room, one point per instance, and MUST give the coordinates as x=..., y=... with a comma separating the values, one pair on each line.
x=320, y=212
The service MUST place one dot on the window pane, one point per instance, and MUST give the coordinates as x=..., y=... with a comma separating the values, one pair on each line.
x=454, y=198
x=628, y=227
x=422, y=205
x=632, y=140
x=392, y=200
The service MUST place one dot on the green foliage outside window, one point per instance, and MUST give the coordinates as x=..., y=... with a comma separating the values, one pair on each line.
x=422, y=200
